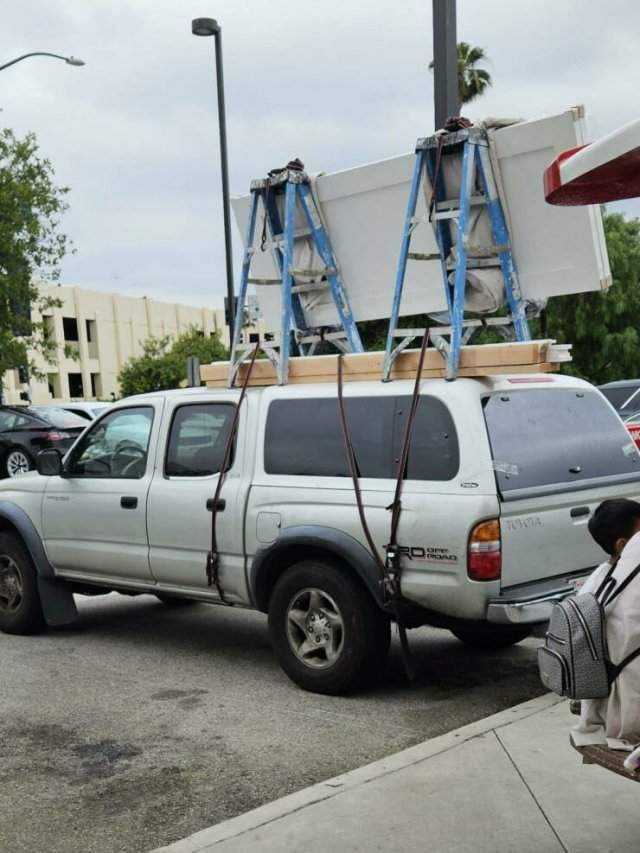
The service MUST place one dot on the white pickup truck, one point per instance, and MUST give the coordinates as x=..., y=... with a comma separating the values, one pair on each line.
x=502, y=477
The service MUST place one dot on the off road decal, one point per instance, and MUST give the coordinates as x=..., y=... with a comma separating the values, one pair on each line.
x=427, y=555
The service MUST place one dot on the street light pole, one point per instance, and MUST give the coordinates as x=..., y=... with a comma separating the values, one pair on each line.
x=209, y=27
x=445, y=62
x=70, y=60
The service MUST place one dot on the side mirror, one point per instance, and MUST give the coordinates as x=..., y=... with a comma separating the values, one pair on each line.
x=49, y=462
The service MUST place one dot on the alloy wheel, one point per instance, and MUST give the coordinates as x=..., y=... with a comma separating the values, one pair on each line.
x=11, y=590
x=17, y=463
x=315, y=628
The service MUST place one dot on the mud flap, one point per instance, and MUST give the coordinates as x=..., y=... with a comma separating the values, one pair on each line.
x=58, y=605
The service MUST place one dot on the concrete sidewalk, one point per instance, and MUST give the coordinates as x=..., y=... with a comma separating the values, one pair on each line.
x=510, y=782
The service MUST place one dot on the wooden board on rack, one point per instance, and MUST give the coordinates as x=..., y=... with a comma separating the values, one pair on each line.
x=483, y=360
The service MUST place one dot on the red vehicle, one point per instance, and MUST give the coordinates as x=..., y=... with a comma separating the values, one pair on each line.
x=632, y=423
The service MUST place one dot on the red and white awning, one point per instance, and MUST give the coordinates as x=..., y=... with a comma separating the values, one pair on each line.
x=606, y=170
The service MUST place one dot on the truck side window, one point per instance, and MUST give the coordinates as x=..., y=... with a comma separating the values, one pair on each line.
x=116, y=446
x=197, y=441
x=304, y=437
x=434, y=453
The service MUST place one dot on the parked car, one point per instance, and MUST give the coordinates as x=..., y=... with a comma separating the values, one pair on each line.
x=88, y=411
x=624, y=395
x=25, y=430
x=503, y=475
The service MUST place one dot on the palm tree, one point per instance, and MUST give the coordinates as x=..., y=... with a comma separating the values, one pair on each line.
x=472, y=81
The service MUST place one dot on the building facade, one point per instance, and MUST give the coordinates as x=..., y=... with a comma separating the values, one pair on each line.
x=103, y=330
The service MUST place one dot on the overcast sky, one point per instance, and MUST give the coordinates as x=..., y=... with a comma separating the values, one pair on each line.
x=134, y=132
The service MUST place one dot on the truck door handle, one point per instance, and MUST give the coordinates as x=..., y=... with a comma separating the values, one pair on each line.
x=219, y=506
x=579, y=511
x=128, y=502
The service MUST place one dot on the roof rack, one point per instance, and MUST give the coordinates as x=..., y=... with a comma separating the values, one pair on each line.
x=544, y=356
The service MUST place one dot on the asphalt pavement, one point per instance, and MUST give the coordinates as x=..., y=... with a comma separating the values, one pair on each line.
x=146, y=723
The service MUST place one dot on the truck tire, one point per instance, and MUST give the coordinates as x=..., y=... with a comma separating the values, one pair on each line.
x=327, y=632
x=20, y=610
x=489, y=637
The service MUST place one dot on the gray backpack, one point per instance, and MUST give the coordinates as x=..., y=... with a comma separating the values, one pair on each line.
x=574, y=661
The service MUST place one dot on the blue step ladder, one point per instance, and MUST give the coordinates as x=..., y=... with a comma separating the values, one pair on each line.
x=296, y=337
x=477, y=187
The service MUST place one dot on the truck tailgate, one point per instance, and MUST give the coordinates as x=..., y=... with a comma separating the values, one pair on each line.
x=545, y=537
x=558, y=451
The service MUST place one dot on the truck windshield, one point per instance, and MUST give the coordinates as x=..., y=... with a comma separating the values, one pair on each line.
x=548, y=440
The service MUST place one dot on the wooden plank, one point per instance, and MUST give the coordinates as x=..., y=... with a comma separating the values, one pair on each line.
x=541, y=367
x=369, y=364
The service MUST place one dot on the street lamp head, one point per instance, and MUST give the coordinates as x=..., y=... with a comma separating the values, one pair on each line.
x=205, y=27
x=72, y=60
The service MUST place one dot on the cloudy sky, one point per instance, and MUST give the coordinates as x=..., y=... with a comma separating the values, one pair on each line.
x=134, y=132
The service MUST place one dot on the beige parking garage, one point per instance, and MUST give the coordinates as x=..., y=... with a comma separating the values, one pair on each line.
x=104, y=330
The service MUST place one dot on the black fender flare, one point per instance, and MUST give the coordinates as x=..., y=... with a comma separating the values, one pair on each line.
x=299, y=542
x=56, y=598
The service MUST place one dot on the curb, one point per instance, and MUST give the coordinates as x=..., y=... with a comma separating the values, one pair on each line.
x=202, y=841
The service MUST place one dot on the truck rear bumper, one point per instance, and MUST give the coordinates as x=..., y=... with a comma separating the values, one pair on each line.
x=531, y=603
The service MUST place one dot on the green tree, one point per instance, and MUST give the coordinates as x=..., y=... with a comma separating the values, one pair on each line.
x=31, y=248
x=472, y=80
x=163, y=363
x=603, y=326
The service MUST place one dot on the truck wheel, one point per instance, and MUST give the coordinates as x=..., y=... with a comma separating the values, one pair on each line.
x=328, y=633
x=489, y=637
x=20, y=610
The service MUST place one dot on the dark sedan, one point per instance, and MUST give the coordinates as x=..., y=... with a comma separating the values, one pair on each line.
x=623, y=395
x=25, y=430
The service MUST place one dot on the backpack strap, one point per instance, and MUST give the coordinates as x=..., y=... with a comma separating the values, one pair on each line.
x=614, y=669
x=625, y=583
x=607, y=579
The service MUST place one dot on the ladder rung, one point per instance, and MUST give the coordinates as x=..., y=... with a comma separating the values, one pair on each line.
x=264, y=345
x=445, y=330
x=454, y=204
x=306, y=288
x=409, y=333
x=467, y=324
x=446, y=214
x=476, y=263
x=487, y=251
x=424, y=256
x=297, y=232
x=329, y=336
x=313, y=273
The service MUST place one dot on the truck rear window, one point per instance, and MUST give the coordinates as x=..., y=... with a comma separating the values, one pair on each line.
x=548, y=440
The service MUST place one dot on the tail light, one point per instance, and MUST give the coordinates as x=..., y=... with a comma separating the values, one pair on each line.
x=634, y=431
x=59, y=436
x=484, y=555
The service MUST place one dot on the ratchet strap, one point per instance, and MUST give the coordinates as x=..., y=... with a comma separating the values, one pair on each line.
x=392, y=562
x=355, y=472
x=213, y=557
x=390, y=568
